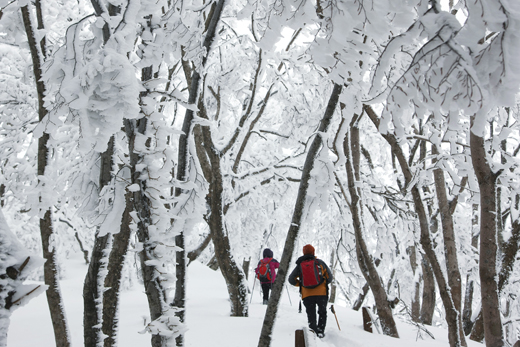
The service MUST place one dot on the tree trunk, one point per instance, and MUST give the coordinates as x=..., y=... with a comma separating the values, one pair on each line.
x=213, y=263
x=297, y=218
x=246, y=263
x=364, y=291
x=233, y=274
x=51, y=278
x=92, y=293
x=452, y=315
x=488, y=243
x=467, y=323
x=183, y=161
x=510, y=249
x=429, y=293
x=142, y=206
x=361, y=297
x=450, y=246
x=192, y=255
x=366, y=263
x=332, y=294
x=416, y=299
x=92, y=290
x=112, y=283
x=97, y=308
x=50, y=268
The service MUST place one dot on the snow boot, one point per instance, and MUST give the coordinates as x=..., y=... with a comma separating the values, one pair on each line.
x=265, y=302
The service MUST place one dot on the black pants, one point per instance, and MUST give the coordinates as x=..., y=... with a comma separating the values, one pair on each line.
x=266, y=287
x=310, y=303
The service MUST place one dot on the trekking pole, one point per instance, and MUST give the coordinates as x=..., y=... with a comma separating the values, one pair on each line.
x=252, y=291
x=300, y=307
x=288, y=295
x=332, y=309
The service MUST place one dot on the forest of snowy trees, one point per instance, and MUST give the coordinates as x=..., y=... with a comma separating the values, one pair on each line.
x=152, y=133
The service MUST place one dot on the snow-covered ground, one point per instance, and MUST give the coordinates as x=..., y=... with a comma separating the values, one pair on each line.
x=207, y=318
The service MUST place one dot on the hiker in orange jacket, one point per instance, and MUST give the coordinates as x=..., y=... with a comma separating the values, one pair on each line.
x=267, y=281
x=312, y=297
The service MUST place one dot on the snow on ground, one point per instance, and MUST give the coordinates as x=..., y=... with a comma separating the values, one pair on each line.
x=207, y=317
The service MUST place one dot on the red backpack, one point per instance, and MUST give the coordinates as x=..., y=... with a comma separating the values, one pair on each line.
x=264, y=271
x=312, y=275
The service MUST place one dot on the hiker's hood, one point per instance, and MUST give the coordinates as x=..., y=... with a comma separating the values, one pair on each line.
x=305, y=257
x=268, y=253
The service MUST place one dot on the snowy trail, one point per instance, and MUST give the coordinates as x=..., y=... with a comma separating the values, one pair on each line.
x=207, y=317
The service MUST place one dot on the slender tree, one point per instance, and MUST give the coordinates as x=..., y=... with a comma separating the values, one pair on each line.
x=366, y=263
x=51, y=275
x=487, y=180
x=452, y=315
x=194, y=83
x=297, y=219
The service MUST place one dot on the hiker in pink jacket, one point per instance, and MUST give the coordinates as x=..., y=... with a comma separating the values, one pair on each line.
x=266, y=272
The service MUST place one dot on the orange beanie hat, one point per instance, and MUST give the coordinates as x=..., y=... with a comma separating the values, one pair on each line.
x=308, y=249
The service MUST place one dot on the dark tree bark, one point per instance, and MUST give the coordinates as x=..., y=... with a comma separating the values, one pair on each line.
x=246, y=263
x=332, y=292
x=233, y=274
x=365, y=261
x=429, y=293
x=2, y=195
x=487, y=181
x=91, y=292
x=364, y=291
x=272, y=307
x=213, y=263
x=467, y=323
x=364, y=258
x=361, y=297
x=193, y=255
x=416, y=299
x=109, y=251
x=153, y=288
x=193, y=81
x=116, y=260
x=452, y=315
x=450, y=246
x=477, y=331
x=50, y=268
x=510, y=250
x=155, y=292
